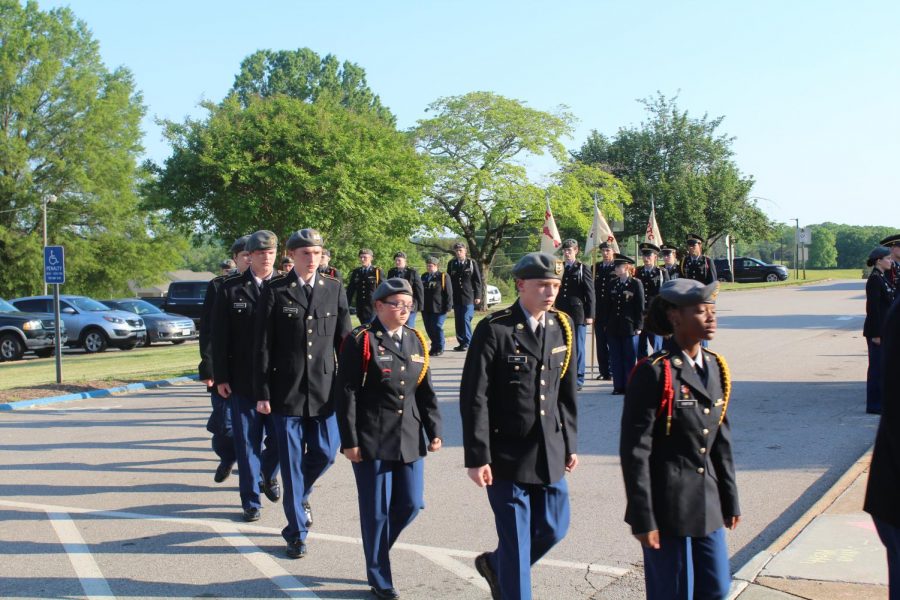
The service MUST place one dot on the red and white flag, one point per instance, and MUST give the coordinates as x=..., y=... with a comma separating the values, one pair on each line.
x=653, y=235
x=550, y=241
x=600, y=232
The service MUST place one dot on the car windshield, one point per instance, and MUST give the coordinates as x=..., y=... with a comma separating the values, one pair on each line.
x=87, y=304
x=138, y=307
x=7, y=307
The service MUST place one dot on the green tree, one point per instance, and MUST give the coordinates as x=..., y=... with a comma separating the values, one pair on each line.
x=282, y=164
x=686, y=167
x=304, y=75
x=70, y=128
x=822, y=251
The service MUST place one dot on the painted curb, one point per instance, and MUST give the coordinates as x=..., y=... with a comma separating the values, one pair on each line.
x=131, y=387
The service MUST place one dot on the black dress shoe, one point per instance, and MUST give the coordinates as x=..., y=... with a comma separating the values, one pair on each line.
x=223, y=471
x=388, y=594
x=436, y=352
x=307, y=510
x=579, y=388
x=271, y=489
x=251, y=514
x=484, y=568
x=462, y=348
x=296, y=549
x=618, y=392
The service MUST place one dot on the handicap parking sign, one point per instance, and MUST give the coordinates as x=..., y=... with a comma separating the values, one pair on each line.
x=54, y=265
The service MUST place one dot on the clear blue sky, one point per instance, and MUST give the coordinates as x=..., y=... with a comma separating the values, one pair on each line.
x=809, y=88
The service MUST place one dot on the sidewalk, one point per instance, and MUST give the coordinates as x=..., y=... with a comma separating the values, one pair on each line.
x=831, y=553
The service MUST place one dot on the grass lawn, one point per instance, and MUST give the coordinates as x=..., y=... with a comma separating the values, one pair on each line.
x=811, y=277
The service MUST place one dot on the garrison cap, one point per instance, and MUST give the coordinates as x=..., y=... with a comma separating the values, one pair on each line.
x=891, y=240
x=538, y=265
x=305, y=238
x=689, y=292
x=877, y=253
x=647, y=248
x=459, y=245
x=227, y=264
x=569, y=243
x=389, y=287
x=432, y=260
x=693, y=238
x=366, y=251
x=621, y=259
x=239, y=245
x=262, y=240
x=400, y=254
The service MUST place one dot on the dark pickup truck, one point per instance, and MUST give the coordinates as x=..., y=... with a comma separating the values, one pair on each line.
x=186, y=298
x=748, y=269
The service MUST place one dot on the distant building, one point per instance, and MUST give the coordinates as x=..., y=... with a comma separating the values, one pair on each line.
x=161, y=289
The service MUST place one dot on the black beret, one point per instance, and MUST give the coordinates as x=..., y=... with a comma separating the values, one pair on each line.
x=389, y=287
x=239, y=245
x=647, y=247
x=621, y=259
x=877, y=253
x=569, y=243
x=458, y=245
x=689, y=292
x=305, y=238
x=400, y=254
x=538, y=265
x=262, y=240
x=432, y=260
x=694, y=237
x=891, y=240
x=366, y=251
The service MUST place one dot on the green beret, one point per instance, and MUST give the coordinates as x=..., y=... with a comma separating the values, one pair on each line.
x=538, y=265
x=400, y=254
x=389, y=287
x=569, y=243
x=262, y=240
x=688, y=292
x=432, y=260
x=239, y=245
x=366, y=251
x=305, y=238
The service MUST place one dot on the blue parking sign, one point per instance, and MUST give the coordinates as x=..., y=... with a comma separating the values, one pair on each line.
x=54, y=265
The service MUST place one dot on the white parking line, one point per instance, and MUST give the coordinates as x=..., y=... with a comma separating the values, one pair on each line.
x=92, y=580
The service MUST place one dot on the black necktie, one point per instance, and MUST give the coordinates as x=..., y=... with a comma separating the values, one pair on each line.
x=396, y=338
x=701, y=372
x=307, y=289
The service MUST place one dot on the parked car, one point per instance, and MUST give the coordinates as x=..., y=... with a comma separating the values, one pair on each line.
x=91, y=325
x=748, y=269
x=157, y=301
x=491, y=295
x=186, y=298
x=161, y=326
x=25, y=331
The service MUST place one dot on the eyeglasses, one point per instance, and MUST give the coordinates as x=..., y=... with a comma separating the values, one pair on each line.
x=401, y=305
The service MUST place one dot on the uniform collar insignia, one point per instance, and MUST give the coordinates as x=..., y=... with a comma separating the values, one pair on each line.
x=677, y=362
x=519, y=326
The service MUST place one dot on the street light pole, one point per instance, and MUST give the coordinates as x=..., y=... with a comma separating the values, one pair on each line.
x=796, y=248
x=44, y=202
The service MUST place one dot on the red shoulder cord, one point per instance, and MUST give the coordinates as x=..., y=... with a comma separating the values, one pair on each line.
x=366, y=353
x=667, y=402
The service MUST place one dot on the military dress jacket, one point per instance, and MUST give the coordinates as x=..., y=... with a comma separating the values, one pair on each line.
x=517, y=397
x=331, y=272
x=624, y=306
x=468, y=285
x=883, y=490
x=296, y=344
x=672, y=271
x=204, y=369
x=700, y=268
x=603, y=273
x=415, y=282
x=576, y=293
x=362, y=284
x=438, y=293
x=652, y=281
x=679, y=477
x=388, y=413
x=879, y=297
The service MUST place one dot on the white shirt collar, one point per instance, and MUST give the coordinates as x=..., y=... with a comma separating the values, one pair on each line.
x=532, y=322
x=397, y=332
x=694, y=362
x=259, y=280
x=311, y=282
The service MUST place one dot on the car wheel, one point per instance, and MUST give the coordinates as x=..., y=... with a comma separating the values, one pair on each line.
x=771, y=277
x=44, y=352
x=176, y=342
x=11, y=347
x=723, y=279
x=94, y=341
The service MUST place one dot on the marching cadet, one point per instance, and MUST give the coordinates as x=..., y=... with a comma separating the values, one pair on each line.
x=467, y=293
x=893, y=242
x=696, y=265
x=233, y=355
x=880, y=293
x=675, y=450
x=576, y=299
x=670, y=260
x=287, y=263
x=219, y=422
x=624, y=320
x=326, y=269
x=386, y=409
x=517, y=400
x=603, y=272
x=652, y=277
x=412, y=276
x=363, y=281
x=437, y=302
x=227, y=266
x=303, y=316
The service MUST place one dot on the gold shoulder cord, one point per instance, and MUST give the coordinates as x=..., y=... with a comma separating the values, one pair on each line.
x=564, y=323
x=425, y=354
x=726, y=381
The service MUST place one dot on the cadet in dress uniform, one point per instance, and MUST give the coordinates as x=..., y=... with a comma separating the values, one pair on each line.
x=401, y=270
x=386, y=409
x=363, y=281
x=287, y=263
x=326, y=269
x=670, y=260
x=303, y=316
x=880, y=295
x=893, y=242
x=652, y=278
x=219, y=422
x=624, y=320
x=467, y=293
x=517, y=400
x=675, y=450
x=438, y=301
x=233, y=354
x=227, y=266
x=695, y=265
x=576, y=299
x=883, y=491
x=603, y=272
